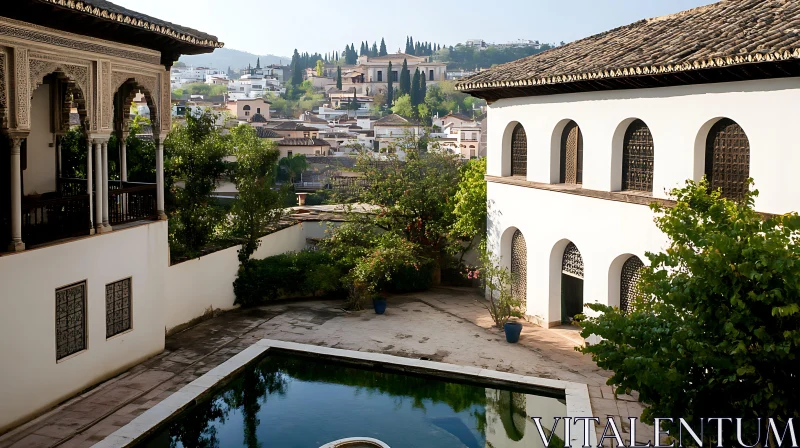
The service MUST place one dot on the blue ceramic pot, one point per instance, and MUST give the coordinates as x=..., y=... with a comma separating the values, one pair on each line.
x=513, y=330
x=380, y=305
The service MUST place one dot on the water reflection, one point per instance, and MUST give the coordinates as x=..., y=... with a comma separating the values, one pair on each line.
x=300, y=401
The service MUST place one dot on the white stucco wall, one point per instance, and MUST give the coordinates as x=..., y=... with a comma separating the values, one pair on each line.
x=607, y=232
x=32, y=379
x=679, y=119
x=194, y=286
x=40, y=175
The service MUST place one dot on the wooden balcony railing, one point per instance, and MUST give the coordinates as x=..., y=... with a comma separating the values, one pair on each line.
x=131, y=201
x=47, y=219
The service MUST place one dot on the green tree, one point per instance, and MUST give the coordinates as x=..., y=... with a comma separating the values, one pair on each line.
x=258, y=204
x=423, y=88
x=715, y=329
x=389, y=85
x=415, y=90
x=382, y=51
x=320, y=68
x=374, y=50
x=403, y=107
x=141, y=154
x=339, y=77
x=405, y=79
x=194, y=155
x=470, y=202
x=294, y=165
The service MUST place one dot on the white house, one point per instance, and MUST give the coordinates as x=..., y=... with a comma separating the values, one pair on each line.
x=583, y=137
x=245, y=108
x=393, y=130
x=84, y=263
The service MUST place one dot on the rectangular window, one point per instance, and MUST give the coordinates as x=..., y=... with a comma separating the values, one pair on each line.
x=258, y=110
x=118, y=307
x=394, y=75
x=70, y=320
x=431, y=76
x=288, y=153
x=380, y=75
x=246, y=113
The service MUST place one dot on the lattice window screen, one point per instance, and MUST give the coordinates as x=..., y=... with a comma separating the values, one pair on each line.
x=637, y=158
x=118, y=307
x=70, y=320
x=519, y=151
x=571, y=169
x=629, y=282
x=572, y=262
x=728, y=159
x=519, y=266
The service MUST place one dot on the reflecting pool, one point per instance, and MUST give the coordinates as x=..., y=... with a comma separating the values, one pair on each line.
x=297, y=401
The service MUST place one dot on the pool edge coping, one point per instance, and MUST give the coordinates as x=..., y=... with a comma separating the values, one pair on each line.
x=577, y=394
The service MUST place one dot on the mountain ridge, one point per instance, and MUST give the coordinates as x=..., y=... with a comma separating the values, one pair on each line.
x=222, y=58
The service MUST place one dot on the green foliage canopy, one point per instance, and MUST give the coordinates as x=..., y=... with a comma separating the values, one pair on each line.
x=716, y=329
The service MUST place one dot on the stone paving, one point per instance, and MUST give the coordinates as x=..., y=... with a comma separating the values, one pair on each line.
x=446, y=324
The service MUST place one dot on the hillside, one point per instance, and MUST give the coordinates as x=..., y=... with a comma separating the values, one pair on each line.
x=223, y=58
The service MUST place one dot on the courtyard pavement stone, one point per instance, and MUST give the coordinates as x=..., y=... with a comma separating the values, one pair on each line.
x=447, y=325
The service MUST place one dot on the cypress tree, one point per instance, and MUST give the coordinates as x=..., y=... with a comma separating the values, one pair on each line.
x=374, y=51
x=411, y=44
x=406, y=50
x=423, y=87
x=382, y=51
x=389, y=85
x=339, y=77
x=415, y=89
x=405, y=79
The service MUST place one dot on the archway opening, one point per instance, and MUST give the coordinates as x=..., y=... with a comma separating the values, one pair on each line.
x=727, y=159
x=519, y=268
x=571, y=155
x=571, y=284
x=637, y=158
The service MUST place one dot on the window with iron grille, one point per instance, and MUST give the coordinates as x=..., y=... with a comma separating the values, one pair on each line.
x=519, y=266
x=572, y=262
x=118, y=307
x=629, y=282
x=637, y=158
x=728, y=159
x=571, y=169
x=70, y=320
x=519, y=151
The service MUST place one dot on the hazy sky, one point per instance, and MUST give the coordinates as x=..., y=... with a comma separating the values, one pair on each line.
x=279, y=26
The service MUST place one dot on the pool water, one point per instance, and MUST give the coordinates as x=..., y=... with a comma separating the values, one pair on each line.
x=297, y=401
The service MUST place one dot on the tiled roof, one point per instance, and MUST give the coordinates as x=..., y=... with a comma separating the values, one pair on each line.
x=293, y=126
x=394, y=120
x=724, y=34
x=311, y=118
x=258, y=118
x=110, y=11
x=263, y=132
x=458, y=117
x=303, y=142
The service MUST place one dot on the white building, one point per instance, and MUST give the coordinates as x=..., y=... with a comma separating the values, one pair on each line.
x=583, y=137
x=85, y=262
x=393, y=130
x=180, y=76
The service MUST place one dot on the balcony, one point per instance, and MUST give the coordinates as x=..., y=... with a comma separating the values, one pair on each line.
x=66, y=213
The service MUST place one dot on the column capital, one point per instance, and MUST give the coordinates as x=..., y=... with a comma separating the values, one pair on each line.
x=15, y=137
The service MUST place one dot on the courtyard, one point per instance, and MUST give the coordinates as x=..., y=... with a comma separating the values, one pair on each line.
x=445, y=324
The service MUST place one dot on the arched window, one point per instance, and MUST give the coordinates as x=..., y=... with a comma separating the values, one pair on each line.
x=728, y=159
x=571, y=170
x=571, y=284
x=519, y=151
x=637, y=158
x=519, y=266
x=247, y=107
x=629, y=282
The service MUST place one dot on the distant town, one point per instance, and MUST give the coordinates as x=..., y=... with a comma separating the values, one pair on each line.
x=336, y=103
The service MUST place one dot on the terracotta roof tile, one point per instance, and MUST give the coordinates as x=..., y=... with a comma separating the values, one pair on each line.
x=724, y=34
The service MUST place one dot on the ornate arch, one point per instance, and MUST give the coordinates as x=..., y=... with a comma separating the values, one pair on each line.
x=519, y=151
x=637, y=158
x=519, y=267
x=629, y=282
x=40, y=65
x=148, y=85
x=727, y=164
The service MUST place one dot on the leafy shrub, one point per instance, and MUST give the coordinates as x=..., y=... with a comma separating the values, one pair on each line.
x=302, y=274
x=407, y=278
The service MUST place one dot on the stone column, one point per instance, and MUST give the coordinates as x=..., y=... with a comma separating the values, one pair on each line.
x=98, y=187
x=104, y=148
x=123, y=158
x=16, y=244
x=160, y=179
x=90, y=183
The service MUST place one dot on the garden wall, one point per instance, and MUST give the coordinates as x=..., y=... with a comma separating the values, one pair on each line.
x=196, y=286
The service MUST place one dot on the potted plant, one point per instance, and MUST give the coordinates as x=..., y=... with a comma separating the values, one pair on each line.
x=501, y=303
x=379, y=303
